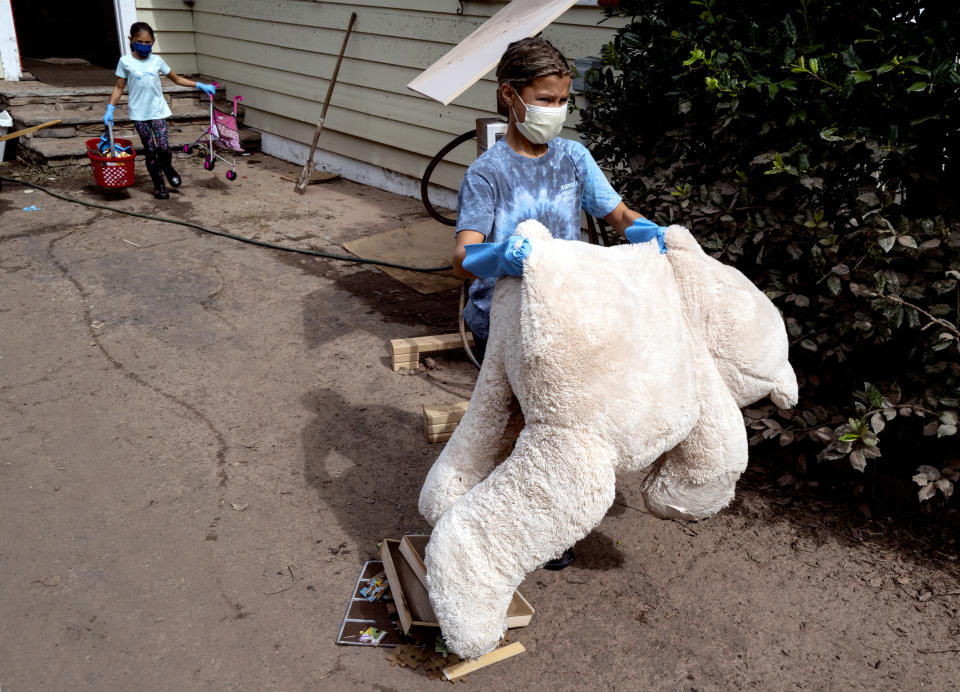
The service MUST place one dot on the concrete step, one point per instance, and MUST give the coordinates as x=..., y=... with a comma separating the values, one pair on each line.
x=72, y=151
x=89, y=119
x=14, y=94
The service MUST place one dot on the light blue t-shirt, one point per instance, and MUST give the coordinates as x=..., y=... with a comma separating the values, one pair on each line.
x=502, y=188
x=144, y=92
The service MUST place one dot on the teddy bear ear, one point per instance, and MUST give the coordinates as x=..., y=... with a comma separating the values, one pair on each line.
x=533, y=229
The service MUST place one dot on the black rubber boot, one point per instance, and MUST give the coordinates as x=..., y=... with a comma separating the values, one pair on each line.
x=166, y=163
x=559, y=563
x=159, y=189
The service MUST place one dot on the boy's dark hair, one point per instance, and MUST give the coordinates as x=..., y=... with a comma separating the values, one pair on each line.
x=137, y=27
x=526, y=60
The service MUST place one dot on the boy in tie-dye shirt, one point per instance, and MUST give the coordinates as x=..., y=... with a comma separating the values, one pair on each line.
x=531, y=173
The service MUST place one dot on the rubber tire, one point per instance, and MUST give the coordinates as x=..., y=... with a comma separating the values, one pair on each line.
x=231, y=175
x=187, y=149
x=208, y=164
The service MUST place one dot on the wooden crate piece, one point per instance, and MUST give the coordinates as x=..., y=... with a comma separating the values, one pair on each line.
x=413, y=547
x=406, y=352
x=439, y=422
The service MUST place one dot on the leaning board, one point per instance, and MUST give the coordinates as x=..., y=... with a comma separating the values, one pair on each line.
x=479, y=52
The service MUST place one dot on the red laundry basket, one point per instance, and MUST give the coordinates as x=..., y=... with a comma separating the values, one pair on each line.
x=109, y=172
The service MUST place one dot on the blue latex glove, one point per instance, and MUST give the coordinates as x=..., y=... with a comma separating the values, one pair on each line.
x=643, y=230
x=207, y=88
x=108, y=116
x=492, y=260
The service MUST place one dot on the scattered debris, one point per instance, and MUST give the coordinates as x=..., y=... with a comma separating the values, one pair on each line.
x=289, y=586
x=48, y=581
x=373, y=636
x=375, y=587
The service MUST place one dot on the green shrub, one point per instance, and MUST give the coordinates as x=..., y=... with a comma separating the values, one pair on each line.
x=816, y=146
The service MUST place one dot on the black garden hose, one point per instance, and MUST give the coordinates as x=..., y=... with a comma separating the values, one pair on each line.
x=425, y=183
x=240, y=238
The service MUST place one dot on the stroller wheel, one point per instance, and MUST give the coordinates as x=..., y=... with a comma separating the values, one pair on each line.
x=209, y=164
x=231, y=175
x=187, y=149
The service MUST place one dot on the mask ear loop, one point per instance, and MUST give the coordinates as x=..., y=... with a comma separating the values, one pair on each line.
x=516, y=93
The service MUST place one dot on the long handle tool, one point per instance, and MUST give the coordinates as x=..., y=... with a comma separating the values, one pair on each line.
x=304, y=179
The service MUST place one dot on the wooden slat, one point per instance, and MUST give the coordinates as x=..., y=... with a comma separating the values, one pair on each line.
x=434, y=429
x=426, y=344
x=479, y=53
x=445, y=413
x=458, y=670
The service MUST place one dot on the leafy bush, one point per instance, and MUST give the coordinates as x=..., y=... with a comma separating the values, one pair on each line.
x=816, y=146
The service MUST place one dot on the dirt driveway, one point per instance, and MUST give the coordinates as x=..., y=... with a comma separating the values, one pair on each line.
x=191, y=425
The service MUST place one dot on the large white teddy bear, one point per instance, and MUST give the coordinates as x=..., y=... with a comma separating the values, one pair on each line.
x=621, y=359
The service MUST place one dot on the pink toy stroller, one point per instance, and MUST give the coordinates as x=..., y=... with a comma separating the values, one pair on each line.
x=222, y=134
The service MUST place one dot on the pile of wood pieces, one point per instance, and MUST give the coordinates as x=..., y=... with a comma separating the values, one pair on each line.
x=439, y=421
x=394, y=588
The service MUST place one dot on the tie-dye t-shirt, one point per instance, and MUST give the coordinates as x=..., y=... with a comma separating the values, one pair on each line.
x=503, y=188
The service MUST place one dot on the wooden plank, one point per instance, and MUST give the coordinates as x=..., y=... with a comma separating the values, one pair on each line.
x=29, y=130
x=413, y=547
x=409, y=595
x=445, y=413
x=427, y=344
x=480, y=51
x=437, y=428
x=439, y=437
x=460, y=669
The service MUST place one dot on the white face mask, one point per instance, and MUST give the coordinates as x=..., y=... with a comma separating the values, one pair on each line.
x=542, y=123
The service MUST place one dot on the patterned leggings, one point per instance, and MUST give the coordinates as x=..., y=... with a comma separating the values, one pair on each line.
x=153, y=134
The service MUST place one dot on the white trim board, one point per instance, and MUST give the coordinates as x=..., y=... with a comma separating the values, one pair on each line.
x=357, y=171
x=480, y=52
x=126, y=13
x=9, y=50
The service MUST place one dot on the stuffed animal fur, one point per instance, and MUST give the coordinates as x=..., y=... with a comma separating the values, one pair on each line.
x=601, y=360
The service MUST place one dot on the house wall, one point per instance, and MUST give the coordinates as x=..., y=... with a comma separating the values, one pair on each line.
x=279, y=56
x=173, y=22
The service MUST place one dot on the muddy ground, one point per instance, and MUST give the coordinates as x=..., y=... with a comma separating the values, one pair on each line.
x=202, y=441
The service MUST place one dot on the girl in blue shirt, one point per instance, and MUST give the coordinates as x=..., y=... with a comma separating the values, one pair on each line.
x=140, y=71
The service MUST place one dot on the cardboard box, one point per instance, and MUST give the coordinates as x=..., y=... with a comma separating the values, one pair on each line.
x=413, y=547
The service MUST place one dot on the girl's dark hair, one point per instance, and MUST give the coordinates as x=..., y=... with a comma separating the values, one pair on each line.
x=137, y=27
x=526, y=60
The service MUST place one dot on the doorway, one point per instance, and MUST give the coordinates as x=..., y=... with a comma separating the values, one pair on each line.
x=68, y=43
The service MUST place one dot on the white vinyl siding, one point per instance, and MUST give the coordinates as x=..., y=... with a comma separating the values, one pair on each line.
x=279, y=56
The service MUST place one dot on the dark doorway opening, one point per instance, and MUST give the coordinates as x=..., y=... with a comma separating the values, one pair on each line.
x=67, y=43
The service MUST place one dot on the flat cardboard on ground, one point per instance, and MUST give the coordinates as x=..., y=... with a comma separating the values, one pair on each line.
x=409, y=595
x=426, y=243
x=413, y=547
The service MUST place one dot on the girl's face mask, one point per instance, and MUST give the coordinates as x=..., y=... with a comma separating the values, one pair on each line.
x=542, y=123
x=142, y=48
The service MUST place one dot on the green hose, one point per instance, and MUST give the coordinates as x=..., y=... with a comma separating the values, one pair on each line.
x=242, y=239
